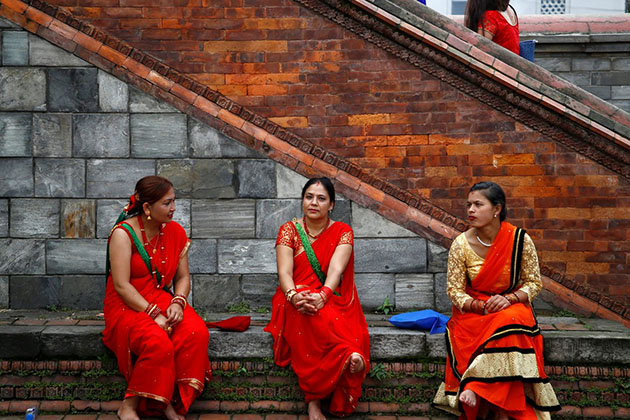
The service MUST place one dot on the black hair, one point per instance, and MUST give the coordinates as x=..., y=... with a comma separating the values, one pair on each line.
x=149, y=190
x=326, y=182
x=476, y=8
x=494, y=193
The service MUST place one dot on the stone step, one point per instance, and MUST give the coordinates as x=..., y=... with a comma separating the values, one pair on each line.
x=27, y=335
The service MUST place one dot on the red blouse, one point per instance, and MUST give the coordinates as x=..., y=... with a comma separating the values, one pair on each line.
x=504, y=34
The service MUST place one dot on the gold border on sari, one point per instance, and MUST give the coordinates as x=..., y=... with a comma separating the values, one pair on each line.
x=149, y=395
x=504, y=366
x=192, y=382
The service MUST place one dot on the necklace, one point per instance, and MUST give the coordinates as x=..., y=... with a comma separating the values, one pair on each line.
x=482, y=242
x=148, y=243
x=154, y=270
x=322, y=231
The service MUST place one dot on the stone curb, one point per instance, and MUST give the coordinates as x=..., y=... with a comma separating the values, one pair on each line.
x=574, y=345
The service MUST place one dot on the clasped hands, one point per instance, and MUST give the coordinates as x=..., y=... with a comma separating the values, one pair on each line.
x=497, y=303
x=174, y=315
x=308, y=303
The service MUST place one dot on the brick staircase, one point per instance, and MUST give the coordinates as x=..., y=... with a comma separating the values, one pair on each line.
x=56, y=361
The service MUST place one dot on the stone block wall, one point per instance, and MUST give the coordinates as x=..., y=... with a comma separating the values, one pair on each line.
x=325, y=72
x=73, y=142
x=598, y=63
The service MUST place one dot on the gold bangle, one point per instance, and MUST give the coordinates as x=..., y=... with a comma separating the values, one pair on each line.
x=179, y=300
x=289, y=295
x=512, y=298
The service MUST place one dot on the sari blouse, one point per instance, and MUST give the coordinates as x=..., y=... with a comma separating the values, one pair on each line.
x=464, y=263
x=288, y=236
x=504, y=33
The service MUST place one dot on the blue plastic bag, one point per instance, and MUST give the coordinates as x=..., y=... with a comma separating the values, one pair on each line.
x=526, y=49
x=427, y=319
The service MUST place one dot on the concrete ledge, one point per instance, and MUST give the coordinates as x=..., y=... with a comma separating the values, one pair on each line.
x=567, y=340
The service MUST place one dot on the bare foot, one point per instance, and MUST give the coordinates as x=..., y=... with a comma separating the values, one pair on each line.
x=171, y=414
x=315, y=411
x=127, y=410
x=356, y=363
x=468, y=397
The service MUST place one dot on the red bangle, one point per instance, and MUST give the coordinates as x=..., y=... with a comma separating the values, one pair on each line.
x=153, y=311
x=327, y=291
x=478, y=306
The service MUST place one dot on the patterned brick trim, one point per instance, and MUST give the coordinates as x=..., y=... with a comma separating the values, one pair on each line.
x=60, y=27
x=77, y=366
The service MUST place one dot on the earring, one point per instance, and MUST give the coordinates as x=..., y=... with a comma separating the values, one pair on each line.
x=495, y=216
x=149, y=216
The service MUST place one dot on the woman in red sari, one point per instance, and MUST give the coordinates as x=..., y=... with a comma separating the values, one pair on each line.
x=494, y=363
x=317, y=322
x=494, y=19
x=160, y=342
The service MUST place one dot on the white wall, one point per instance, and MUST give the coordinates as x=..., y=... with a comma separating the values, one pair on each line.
x=532, y=7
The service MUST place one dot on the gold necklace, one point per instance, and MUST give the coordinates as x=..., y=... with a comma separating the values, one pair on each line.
x=320, y=232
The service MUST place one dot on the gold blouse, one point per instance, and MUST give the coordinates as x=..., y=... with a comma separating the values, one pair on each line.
x=463, y=261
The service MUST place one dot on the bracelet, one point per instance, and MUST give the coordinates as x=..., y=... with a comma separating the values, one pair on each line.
x=327, y=291
x=289, y=294
x=478, y=306
x=153, y=311
x=512, y=298
x=179, y=300
x=323, y=296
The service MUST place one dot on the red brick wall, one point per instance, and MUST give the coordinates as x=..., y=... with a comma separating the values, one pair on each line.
x=337, y=90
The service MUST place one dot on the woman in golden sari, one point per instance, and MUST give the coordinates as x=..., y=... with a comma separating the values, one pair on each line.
x=317, y=322
x=494, y=366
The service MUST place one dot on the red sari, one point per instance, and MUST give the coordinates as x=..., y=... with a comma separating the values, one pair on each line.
x=160, y=368
x=499, y=356
x=319, y=347
x=504, y=33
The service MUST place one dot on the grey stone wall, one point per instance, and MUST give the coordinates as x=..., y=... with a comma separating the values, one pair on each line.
x=73, y=142
x=598, y=63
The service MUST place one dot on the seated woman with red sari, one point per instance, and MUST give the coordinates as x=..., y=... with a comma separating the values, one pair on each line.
x=494, y=366
x=317, y=322
x=160, y=342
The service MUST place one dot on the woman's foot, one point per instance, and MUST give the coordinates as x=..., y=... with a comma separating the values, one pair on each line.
x=356, y=363
x=127, y=410
x=315, y=411
x=468, y=397
x=171, y=414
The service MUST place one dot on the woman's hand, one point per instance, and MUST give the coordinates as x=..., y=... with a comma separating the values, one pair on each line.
x=174, y=314
x=162, y=321
x=316, y=300
x=303, y=303
x=497, y=303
